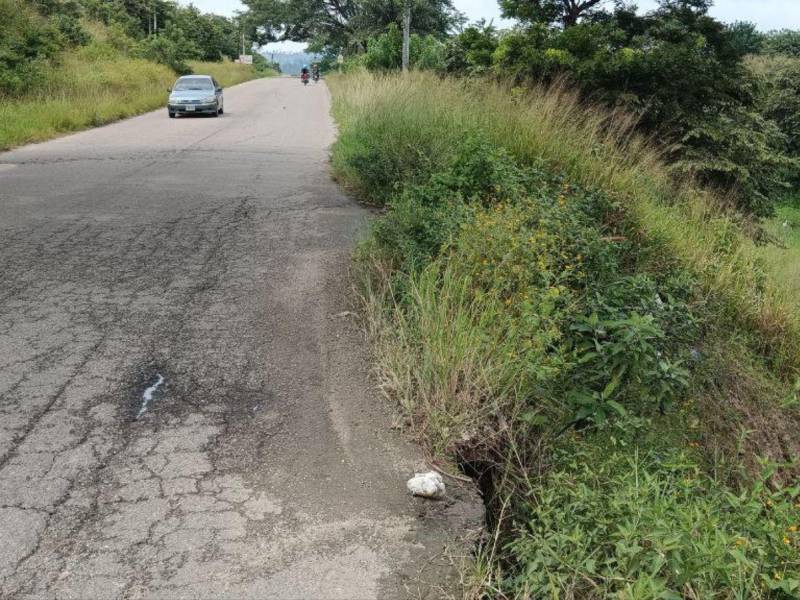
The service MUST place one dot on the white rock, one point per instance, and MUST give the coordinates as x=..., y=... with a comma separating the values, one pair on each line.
x=427, y=485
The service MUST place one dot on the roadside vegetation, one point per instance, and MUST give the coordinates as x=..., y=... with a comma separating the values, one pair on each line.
x=67, y=66
x=598, y=342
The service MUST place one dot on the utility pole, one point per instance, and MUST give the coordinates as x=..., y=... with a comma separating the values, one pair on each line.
x=406, y=32
x=155, y=18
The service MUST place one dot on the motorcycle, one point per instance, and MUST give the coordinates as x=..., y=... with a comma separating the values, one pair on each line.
x=304, y=78
x=315, y=77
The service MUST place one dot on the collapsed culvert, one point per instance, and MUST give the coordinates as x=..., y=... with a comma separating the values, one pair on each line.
x=483, y=465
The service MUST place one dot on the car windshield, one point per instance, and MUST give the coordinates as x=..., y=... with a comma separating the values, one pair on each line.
x=193, y=83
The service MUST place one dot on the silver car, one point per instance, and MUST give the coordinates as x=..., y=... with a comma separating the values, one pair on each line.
x=195, y=94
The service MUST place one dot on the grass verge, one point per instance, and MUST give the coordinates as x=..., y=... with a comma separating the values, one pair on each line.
x=605, y=346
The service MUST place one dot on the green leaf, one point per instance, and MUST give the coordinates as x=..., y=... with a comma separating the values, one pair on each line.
x=617, y=407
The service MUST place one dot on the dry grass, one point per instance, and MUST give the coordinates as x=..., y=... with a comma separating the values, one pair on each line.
x=435, y=361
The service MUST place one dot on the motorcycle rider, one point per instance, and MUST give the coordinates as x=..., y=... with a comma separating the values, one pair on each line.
x=304, y=74
x=315, y=71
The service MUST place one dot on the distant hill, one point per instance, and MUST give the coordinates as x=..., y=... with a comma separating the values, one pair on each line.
x=290, y=62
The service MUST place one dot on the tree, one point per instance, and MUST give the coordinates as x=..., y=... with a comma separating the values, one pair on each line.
x=471, y=51
x=746, y=38
x=785, y=42
x=565, y=12
x=343, y=24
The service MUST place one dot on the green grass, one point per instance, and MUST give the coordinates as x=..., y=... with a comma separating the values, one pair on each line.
x=548, y=305
x=782, y=257
x=95, y=85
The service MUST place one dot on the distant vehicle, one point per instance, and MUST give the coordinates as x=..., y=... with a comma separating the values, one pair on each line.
x=304, y=78
x=195, y=94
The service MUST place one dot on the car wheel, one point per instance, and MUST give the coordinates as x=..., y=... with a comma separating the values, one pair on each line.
x=171, y=114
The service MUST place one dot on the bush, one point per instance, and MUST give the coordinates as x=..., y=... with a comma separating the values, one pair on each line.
x=738, y=150
x=745, y=38
x=71, y=30
x=167, y=51
x=780, y=100
x=625, y=521
x=470, y=52
x=28, y=43
x=785, y=42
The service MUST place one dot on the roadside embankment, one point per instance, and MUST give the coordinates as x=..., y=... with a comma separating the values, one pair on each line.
x=601, y=346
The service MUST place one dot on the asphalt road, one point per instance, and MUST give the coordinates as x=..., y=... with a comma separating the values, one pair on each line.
x=185, y=411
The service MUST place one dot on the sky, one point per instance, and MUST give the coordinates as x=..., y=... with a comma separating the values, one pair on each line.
x=766, y=14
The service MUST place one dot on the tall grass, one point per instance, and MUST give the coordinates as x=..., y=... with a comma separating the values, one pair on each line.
x=594, y=147
x=434, y=358
x=93, y=86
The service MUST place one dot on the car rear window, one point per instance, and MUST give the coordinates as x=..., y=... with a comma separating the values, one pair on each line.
x=193, y=83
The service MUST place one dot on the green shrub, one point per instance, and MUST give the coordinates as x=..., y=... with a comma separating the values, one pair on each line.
x=615, y=519
x=384, y=51
x=470, y=52
x=745, y=38
x=785, y=42
x=28, y=44
x=170, y=50
x=600, y=338
x=737, y=150
x=71, y=30
x=780, y=99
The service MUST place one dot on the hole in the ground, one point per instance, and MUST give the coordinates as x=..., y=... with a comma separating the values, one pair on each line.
x=482, y=472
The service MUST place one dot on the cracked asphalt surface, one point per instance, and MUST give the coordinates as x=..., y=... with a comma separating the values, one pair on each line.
x=212, y=253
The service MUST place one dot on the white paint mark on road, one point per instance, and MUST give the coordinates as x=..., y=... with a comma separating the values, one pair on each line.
x=147, y=396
